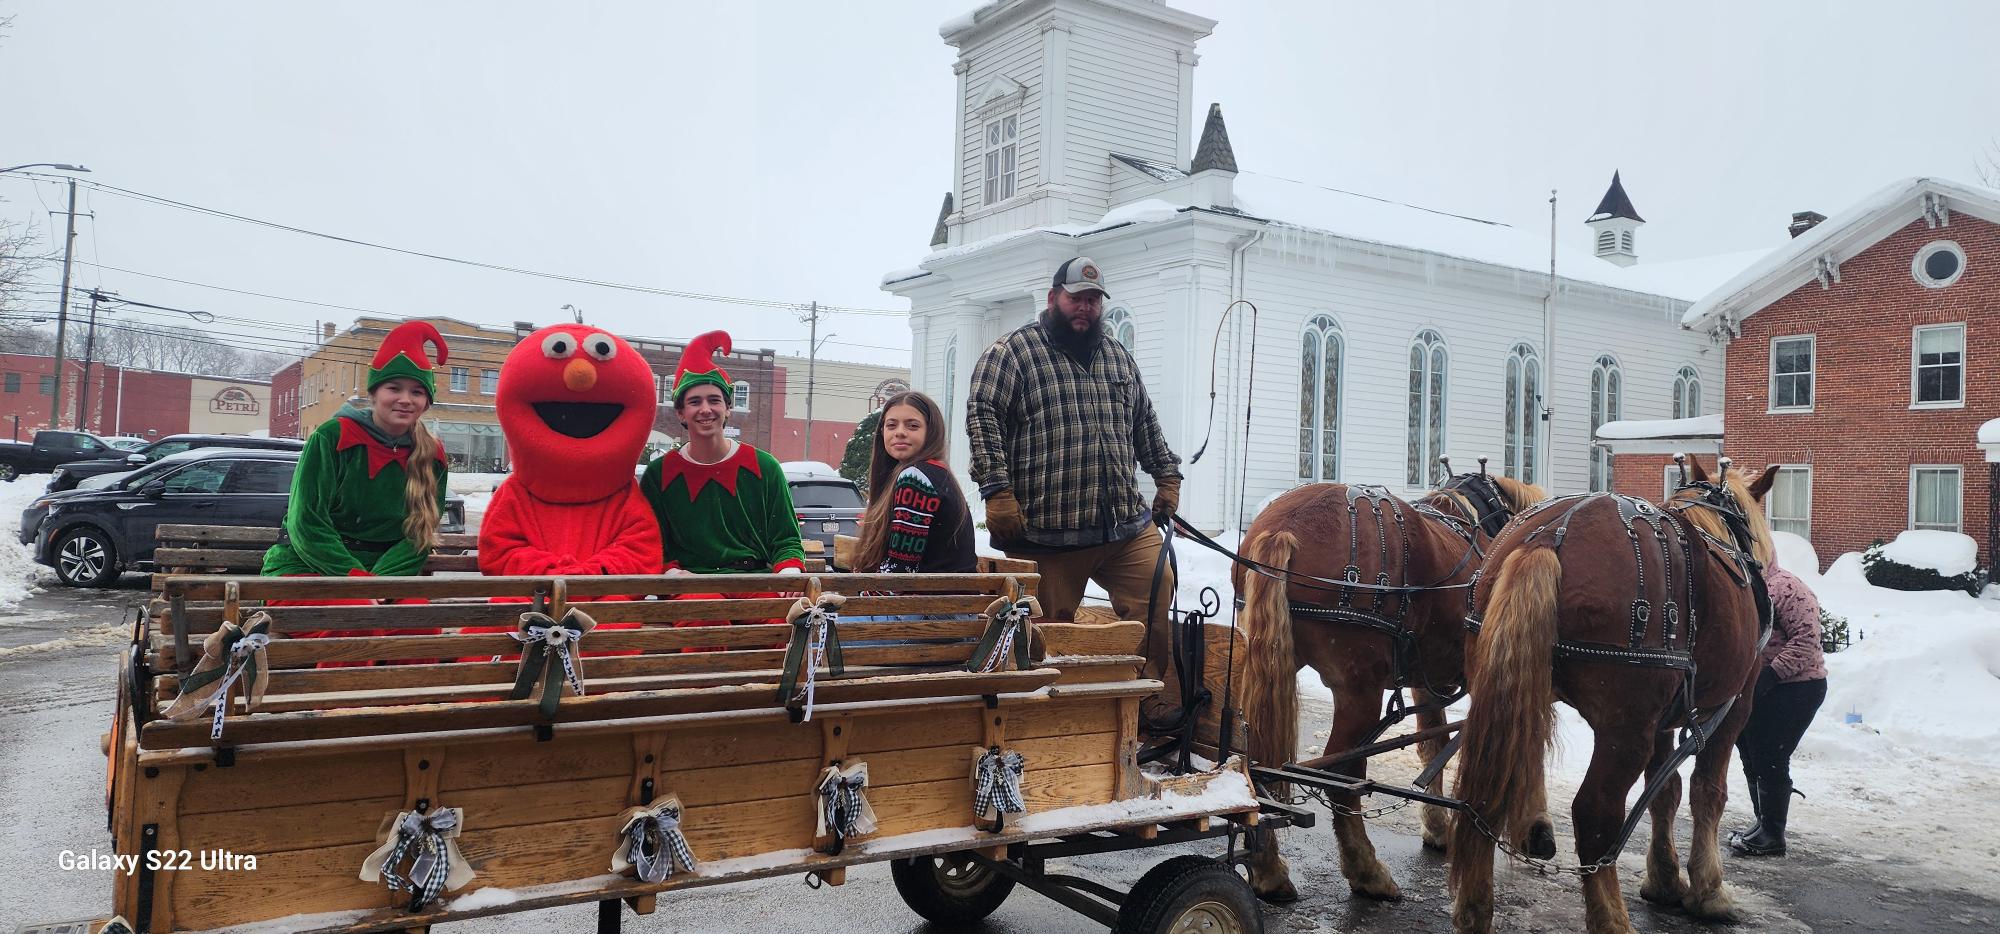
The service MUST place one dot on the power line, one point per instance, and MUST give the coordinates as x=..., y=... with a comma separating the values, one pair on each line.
x=143, y=197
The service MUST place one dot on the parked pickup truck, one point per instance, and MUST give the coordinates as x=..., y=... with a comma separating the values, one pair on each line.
x=49, y=449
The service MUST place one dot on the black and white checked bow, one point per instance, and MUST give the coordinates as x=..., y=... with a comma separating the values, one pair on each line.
x=844, y=810
x=1007, y=633
x=997, y=786
x=653, y=844
x=424, y=839
x=541, y=637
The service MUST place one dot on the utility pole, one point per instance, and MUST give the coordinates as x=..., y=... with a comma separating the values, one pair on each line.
x=62, y=305
x=89, y=345
x=1549, y=348
x=812, y=373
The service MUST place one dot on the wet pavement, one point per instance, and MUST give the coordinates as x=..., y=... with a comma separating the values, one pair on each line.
x=57, y=655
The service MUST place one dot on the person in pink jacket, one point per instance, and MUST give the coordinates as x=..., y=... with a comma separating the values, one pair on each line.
x=1789, y=691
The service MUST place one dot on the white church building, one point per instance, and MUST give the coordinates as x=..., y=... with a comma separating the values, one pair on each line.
x=1386, y=335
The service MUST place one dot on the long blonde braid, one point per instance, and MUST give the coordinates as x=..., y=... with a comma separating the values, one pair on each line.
x=420, y=489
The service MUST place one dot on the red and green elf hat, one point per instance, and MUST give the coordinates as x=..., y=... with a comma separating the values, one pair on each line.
x=402, y=354
x=697, y=366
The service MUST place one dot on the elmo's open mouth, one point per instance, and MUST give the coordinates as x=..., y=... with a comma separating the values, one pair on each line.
x=578, y=419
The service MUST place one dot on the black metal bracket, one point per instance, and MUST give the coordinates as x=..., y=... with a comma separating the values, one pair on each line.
x=610, y=920
x=142, y=911
x=544, y=732
x=225, y=756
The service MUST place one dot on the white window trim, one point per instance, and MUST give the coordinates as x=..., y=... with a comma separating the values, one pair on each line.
x=1769, y=501
x=1916, y=354
x=1339, y=361
x=459, y=379
x=1771, y=406
x=740, y=396
x=1924, y=252
x=1427, y=464
x=1686, y=376
x=986, y=148
x=489, y=387
x=1959, y=469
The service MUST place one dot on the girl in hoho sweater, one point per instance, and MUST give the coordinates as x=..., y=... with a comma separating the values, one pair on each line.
x=917, y=519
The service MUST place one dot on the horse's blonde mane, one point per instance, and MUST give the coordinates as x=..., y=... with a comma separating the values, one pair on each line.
x=1753, y=511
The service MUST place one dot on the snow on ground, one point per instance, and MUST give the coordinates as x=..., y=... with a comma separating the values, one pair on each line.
x=19, y=574
x=477, y=491
x=1948, y=553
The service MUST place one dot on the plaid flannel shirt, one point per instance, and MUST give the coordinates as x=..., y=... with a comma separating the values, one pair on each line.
x=1064, y=437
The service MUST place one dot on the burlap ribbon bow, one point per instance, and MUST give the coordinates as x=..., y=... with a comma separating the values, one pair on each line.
x=541, y=637
x=650, y=842
x=843, y=809
x=429, y=842
x=230, y=654
x=815, y=641
x=1008, y=632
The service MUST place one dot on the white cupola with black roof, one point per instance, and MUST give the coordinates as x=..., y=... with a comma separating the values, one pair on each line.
x=1614, y=226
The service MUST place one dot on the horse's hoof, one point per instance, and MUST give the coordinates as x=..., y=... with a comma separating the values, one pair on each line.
x=1435, y=841
x=1668, y=890
x=1378, y=886
x=1714, y=906
x=1542, y=840
x=1284, y=893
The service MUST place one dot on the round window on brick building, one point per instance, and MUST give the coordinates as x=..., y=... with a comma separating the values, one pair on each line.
x=1938, y=264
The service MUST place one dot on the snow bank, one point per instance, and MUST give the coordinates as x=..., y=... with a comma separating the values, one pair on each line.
x=19, y=574
x=1948, y=553
x=1796, y=555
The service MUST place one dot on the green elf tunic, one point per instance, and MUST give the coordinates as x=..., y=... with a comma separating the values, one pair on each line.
x=730, y=517
x=346, y=512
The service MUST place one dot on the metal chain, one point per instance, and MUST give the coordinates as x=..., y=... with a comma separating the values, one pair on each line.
x=1325, y=798
x=1547, y=867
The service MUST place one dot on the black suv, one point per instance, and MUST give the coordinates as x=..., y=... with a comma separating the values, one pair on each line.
x=89, y=536
x=65, y=477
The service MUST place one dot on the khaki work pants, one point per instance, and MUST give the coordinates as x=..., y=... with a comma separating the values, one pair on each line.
x=1125, y=571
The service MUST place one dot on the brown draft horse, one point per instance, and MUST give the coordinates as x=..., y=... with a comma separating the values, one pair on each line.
x=1336, y=531
x=1601, y=601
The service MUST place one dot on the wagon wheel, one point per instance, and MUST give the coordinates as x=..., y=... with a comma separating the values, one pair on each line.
x=1190, y=894
x=949, y=888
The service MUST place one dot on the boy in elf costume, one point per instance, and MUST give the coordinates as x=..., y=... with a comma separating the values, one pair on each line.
x=370, y=485
x=723, y=506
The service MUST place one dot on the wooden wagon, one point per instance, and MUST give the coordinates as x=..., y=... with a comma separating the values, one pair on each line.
x=688, y=726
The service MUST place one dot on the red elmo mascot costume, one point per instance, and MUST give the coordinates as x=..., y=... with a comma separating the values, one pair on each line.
x=576, y=404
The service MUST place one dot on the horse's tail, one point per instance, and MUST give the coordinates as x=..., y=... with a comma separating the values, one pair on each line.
x=1270, y=674
x=1511, y=724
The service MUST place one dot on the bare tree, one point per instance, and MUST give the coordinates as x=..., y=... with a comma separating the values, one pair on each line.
x=1988, y=164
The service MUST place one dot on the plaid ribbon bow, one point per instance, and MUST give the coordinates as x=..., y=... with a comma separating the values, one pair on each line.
x=815, y=641
x=997, y=786
x=844, y=810
x=652, y=843
x=542, y=637
x=1008, y=632
x=230, y=654
x=429, y=841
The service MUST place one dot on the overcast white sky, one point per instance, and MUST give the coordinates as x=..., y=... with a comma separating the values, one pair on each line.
x=796, y=151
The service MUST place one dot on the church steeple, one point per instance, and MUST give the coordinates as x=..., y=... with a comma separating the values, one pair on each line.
x=1614, y=225
x=1214, y=151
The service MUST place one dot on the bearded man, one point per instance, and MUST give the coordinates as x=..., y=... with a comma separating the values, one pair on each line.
x=1057, y=418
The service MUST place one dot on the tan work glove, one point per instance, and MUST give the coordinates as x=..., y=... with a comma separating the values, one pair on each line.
x=1003, y=519
x=1167, y=498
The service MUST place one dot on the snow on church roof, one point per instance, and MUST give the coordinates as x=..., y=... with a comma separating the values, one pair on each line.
x=1299, y=205
x=1379, y=220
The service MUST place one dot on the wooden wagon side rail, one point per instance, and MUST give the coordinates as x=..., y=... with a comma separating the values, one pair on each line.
x=210, y=587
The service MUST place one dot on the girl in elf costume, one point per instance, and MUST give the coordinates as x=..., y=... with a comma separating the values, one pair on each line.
x=370, y=486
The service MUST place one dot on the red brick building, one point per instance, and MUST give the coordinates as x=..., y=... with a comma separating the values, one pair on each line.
x=125, y=401
x=1859, y=358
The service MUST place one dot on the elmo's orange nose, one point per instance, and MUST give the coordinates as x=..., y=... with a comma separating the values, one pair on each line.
x=579, y=375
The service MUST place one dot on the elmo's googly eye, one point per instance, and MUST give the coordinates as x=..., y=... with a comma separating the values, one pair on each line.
x=600, y=346
x=559, y=346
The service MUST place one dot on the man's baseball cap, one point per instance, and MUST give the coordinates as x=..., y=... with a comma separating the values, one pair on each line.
x=1080, y=274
